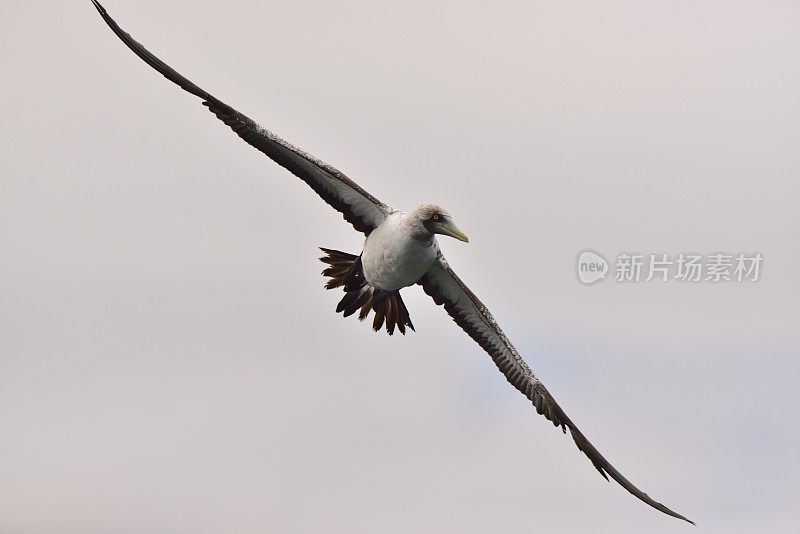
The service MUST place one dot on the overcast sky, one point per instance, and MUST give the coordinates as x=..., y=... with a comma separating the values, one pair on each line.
x=169, y=360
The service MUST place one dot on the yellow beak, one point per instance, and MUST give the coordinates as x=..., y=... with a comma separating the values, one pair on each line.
x=447, y=228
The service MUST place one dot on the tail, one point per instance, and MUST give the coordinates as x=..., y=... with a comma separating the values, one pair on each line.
x=345, y=270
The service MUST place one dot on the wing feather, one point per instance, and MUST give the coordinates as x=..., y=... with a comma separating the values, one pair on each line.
x=359, y=208
x=447, y=289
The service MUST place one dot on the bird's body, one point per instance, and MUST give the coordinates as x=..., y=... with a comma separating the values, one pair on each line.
x=400, y=250
x=398, y=253
x=394, y=256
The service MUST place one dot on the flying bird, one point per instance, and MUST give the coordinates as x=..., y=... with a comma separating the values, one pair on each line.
x=400, y=250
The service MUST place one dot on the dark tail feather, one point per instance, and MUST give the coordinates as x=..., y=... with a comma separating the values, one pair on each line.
x=379, y=305
x=403, y=318
x=340, y=263
x=367, y=306
x=389, y=309
x=391, y=316
x=364, y=296
x=345, y=270
x=347, y=304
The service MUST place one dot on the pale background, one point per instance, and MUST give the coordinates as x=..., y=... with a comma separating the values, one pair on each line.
x=170, y=363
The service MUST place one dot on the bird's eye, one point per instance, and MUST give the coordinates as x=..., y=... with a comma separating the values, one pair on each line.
x=437, y=217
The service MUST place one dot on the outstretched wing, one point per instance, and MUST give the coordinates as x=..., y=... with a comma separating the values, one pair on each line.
x=359, y=208
x=471, y=315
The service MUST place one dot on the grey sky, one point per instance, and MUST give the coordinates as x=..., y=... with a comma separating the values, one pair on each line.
x=169, y=361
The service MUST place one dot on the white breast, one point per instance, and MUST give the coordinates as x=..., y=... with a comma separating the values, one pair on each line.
x=392, y=258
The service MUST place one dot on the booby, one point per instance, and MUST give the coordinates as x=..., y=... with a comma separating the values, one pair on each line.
x=400, y=250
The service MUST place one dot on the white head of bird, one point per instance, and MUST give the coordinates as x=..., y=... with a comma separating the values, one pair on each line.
x=430, y=219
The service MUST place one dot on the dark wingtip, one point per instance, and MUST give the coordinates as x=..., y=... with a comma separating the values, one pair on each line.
x=99, y=8
x=605, y=476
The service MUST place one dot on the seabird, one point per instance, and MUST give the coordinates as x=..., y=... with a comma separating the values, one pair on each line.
x=400, y=250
